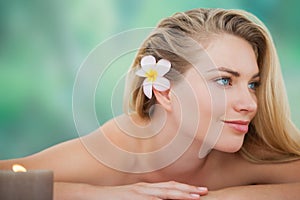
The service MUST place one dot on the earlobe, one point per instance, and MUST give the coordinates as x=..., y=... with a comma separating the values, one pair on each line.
x=163, y=98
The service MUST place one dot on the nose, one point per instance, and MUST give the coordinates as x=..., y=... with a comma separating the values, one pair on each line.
x=245, y=101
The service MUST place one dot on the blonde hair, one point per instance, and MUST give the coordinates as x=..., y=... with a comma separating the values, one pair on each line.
x=272, y=136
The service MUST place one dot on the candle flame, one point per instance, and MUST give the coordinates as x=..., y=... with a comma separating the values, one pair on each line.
x=18, y=168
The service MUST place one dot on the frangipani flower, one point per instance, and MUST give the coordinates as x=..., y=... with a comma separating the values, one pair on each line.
x=153, y=73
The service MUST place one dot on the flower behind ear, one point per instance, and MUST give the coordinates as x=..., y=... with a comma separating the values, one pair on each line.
x=153, y=73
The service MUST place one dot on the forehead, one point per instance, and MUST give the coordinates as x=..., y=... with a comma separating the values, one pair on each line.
x=233, y=52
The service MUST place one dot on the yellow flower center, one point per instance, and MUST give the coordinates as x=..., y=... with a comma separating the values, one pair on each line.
x=151, y=75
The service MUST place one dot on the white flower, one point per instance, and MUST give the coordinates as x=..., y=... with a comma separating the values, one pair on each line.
x=154, y=73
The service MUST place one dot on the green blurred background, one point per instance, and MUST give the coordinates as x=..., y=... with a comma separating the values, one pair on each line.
x=43, y=43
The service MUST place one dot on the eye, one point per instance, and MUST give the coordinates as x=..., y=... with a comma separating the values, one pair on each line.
x=224, y=81
x=253, y=85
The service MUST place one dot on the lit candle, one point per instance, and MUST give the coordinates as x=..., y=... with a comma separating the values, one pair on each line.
x=20, y=184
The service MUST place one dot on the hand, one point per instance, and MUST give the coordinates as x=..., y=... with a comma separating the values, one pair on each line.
x=153, y=191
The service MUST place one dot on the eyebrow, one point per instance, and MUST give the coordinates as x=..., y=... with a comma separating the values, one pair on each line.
x=230, y=71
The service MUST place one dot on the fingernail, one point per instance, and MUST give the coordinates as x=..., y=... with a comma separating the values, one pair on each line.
x=195, y=196
x=202, y=189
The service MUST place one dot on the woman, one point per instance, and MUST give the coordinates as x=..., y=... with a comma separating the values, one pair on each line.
x=208, y=110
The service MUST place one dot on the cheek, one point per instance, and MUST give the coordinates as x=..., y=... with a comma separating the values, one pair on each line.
x=219, y=101
x=256, y=101
x=206, y=106
x=185, y=107
x=204, y=103
x=212, y=106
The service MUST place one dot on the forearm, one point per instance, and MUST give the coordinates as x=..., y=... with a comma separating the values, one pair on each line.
x=289, y=191
x=75, y=191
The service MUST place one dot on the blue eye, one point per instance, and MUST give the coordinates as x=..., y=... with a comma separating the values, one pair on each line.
x=224, y=81
x=253, y=85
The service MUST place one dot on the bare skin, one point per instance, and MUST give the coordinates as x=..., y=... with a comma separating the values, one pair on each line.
x=80, y=174
x=71, y=162
x=67, y=159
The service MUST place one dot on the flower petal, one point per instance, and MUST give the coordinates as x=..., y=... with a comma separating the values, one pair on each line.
x=161, y=84
x=163, y=66
x=148, y=62
x=147, y=88
x=141, y=73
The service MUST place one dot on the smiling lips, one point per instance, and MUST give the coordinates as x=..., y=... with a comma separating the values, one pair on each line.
x=238, y=125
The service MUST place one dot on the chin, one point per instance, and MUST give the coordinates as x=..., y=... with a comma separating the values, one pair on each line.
x=232, y=149
x=229, y=146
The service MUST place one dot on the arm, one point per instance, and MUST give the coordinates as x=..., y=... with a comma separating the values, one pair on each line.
x=279, y=181
x=77, y=175
x=138, y=191
x=287, y=191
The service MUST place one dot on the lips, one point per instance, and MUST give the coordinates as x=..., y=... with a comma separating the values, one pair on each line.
x=238, y=125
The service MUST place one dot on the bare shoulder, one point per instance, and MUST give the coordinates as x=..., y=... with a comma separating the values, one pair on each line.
x=50, y=158
x=285, y=172
x=71, y=161
x=260, y=173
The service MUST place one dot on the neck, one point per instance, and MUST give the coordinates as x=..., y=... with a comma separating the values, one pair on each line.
x=187, y=163
x=169, y=144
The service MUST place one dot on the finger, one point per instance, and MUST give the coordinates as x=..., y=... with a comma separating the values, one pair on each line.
x=166, y=193
x=182, y=187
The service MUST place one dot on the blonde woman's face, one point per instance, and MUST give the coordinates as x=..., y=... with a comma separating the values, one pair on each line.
x=226, y=93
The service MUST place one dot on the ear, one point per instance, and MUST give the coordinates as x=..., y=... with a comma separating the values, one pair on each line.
x=163, y=98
